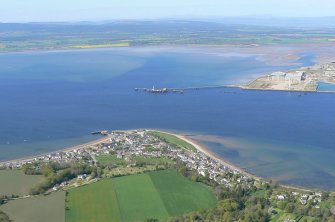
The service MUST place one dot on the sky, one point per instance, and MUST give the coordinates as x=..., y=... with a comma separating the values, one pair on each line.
x=97, y=10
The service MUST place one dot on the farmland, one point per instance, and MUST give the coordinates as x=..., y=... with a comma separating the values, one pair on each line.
x=181, y=195
x=22, y=37
x=158, y=194
x=124, y=44
x=16, y=182
x=96, y=202
x=49, y=208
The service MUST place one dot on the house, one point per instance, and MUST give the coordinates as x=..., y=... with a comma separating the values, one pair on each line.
x=280, y=197
x=82, y=177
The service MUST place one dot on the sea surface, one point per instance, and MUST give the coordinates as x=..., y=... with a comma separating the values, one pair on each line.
x=323, y=86
x=51, y=100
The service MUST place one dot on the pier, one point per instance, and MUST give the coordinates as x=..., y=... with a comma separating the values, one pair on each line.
x=102, y=132
x=177, y=90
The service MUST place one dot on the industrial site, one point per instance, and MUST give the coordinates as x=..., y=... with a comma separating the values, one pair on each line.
x=306, y=79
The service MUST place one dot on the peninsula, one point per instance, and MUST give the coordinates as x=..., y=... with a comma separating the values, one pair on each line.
x=173, y=163
x=306, y=79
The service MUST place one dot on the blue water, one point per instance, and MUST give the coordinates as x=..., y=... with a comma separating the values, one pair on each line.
x=326, y=87
x=52, y=100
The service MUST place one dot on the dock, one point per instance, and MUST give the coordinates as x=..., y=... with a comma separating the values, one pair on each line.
x=177, y=90
x=102, y=132
x=154, y=90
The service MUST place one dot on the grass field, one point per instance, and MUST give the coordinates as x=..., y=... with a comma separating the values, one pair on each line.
x=95, y=202
x=16, y=182
x=109, y=159
x=122, y=171
x=152, y=160
x=281, y=216
x=112, y=159
x=181, y=195
x=173, y=140
x=158, y=194
x=49, y=208
x=122, y=44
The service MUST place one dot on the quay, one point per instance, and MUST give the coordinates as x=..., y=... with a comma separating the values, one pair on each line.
x=176, y=90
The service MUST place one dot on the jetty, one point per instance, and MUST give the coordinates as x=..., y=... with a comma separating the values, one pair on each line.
x=102, y=132
x=178, y=90
x=159, y=90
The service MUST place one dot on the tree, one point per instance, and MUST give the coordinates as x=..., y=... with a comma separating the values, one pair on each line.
x=290, y=207
x=4, y=217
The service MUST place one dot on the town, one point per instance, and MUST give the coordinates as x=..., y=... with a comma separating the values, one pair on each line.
x=128, y=147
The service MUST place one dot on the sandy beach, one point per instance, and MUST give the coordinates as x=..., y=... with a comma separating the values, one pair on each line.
x=202, y=148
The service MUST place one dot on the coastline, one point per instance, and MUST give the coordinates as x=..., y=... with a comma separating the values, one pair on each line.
x=67, y=149
x=198, y=146
x=202, y=148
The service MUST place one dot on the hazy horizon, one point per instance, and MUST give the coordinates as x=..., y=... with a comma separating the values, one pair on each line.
x=100, y=10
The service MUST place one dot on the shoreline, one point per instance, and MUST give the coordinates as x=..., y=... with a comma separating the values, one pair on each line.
x=198, y=146
x=282, y=90
x=203, y=148
x=67, y=149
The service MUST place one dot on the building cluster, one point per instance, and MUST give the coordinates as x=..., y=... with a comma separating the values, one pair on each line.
x=71, y=156
x=329, y=69
x=293, y=77
x=129, y=144
x=313, y=198
x=298, y=76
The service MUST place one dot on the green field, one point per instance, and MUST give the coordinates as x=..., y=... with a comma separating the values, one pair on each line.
x=112, y=159
x=181, y=195
x=109, y=159
x=281, y=216
x=49, y=208
x=121, y=44
x=96, y=202
x=173, y=140
x=158, y=194
x=16, y=182
x=152, y=160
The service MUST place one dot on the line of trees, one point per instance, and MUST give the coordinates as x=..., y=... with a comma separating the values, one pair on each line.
x=238, y=203
x=55, y=176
